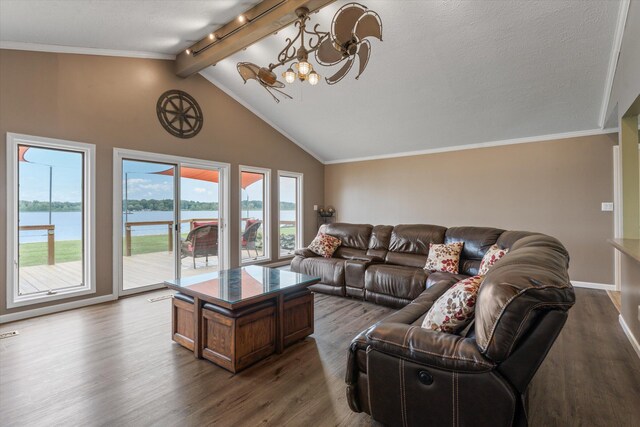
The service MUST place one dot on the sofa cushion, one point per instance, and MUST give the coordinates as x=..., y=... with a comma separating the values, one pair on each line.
x=415, y=238
x=532, y=276
x=345, y=252
x=380, y=239
x=492, y=256
x=329, y=270
x=324, y=245
x=395, y=280
x=477, y=240
x=444, y=257
x=352, y=235
x=454, y=310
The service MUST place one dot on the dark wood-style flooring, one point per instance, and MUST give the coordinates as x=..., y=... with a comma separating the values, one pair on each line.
x=115, y=365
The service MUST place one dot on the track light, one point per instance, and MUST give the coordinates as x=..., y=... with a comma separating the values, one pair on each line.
x=188, y=51
x=242, y=19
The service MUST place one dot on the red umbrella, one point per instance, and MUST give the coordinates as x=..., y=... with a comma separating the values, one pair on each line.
x=248, y=178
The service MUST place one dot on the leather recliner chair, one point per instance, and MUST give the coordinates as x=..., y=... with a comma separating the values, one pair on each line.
x=404, y=375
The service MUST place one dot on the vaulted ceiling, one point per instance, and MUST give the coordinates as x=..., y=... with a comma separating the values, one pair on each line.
x=448, y=73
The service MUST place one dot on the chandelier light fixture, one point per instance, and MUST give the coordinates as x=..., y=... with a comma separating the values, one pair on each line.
x=347, y=40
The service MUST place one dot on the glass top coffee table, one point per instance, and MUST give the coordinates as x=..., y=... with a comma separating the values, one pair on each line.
x=239, y=316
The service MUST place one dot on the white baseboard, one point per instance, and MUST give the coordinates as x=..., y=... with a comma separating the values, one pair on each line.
x=589, y=285
x=26, y=314
x=629, y=334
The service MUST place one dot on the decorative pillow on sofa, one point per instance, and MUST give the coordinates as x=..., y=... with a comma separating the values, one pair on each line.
x=324, y=245
x=445, y=257
x=491, y=257
x=455, y=309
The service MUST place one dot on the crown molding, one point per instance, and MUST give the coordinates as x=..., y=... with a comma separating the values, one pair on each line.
x=526, y=140
x=613, y=59
x=248, y=106
x=36, y=47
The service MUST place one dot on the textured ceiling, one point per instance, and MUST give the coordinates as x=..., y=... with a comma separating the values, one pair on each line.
x=154, y=26
x=448, y=73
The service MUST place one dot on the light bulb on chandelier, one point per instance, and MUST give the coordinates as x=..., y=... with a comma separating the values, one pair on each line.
x=304, y=68
x=289, y=76
x=313, y=78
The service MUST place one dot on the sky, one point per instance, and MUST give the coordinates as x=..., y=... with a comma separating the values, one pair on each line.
x=142, y=182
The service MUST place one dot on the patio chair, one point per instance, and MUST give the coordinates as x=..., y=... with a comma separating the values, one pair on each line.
x=250, y=235
x=200, y=242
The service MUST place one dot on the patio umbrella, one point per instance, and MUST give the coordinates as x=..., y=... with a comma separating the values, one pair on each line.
x=22, y=151
x=248, y=178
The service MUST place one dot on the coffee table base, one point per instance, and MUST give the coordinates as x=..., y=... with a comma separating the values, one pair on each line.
x=236, y=339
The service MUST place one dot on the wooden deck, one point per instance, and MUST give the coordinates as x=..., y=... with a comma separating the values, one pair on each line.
x=138, y=270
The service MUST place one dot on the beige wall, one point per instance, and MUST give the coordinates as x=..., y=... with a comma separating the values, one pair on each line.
x=111, y=102
x=553, y=187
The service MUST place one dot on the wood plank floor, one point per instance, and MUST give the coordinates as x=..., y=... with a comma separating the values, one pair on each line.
x=115, y=365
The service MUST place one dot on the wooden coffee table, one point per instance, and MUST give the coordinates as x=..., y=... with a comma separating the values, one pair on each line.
x=237, y=317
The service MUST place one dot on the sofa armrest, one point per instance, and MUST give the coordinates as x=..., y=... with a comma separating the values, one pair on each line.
x=305, y=253
x=435, y=349
x=371, y=259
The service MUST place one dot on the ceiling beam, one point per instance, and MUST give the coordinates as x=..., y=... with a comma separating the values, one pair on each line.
x=262, y=20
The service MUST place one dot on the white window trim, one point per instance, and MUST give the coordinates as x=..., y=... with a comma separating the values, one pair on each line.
x=266, y=221
x=120, y=154
x=89, y=190
x=299, y=210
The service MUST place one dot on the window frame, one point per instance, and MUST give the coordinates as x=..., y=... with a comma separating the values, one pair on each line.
x=89, y=228
x=266, y=220
x=299, y=210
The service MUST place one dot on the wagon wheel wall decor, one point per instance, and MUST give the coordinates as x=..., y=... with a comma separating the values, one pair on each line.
x=179, y=114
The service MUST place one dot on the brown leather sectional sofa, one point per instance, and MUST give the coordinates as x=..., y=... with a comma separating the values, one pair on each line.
x=402, y=374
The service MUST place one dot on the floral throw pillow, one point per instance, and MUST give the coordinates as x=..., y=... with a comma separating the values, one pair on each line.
x=324, y=245
x=455, y=309
x=445, y=257
x=491, y=257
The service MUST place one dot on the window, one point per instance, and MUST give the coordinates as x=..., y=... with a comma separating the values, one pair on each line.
x=50, y=224
x=254, y=214
x=290, y=227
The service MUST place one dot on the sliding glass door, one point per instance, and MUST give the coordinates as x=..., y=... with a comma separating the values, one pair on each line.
x=171, y=218
x=148, y=218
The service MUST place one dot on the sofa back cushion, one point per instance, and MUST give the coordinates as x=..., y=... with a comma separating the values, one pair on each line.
x=409, y=243
x=379, y=242
x=352, y=235
x=477, y=241
x=531, y=278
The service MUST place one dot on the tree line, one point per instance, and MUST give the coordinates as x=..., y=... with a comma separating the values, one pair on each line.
x=145, y=205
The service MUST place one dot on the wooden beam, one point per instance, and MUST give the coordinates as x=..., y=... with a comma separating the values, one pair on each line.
x=263, y=20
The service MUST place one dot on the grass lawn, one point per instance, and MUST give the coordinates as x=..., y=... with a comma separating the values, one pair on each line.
x=70, y=250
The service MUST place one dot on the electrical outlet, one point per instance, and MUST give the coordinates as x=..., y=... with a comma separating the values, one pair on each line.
x=607, y=207
x=639, y=313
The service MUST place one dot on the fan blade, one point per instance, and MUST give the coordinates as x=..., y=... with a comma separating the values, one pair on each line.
x=277, y=84
x=341, y=72
x=368, y=25
x=267, y=76
x=364, y=52
x=327, y=54
x=248, y=71
x=344, y=22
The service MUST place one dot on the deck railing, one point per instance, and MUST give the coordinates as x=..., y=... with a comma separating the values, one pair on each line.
x=129, y=225
x=51, y=239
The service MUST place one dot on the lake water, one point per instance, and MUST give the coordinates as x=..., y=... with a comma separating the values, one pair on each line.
x=69, y=225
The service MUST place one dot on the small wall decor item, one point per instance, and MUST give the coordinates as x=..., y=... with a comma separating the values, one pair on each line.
x=326, y=216
x=179, y=114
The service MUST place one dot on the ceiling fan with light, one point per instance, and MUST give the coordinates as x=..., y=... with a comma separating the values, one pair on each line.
x=347, y=40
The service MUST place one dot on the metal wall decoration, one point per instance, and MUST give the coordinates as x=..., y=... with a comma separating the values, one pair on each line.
x=179, y=114
x=347, y=40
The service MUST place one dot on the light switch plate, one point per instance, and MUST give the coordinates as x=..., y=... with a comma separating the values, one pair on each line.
x=607, y=207
x=315, y=207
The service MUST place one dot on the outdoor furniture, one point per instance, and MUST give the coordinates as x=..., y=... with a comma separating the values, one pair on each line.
x=200, y=242
x=250, y=235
